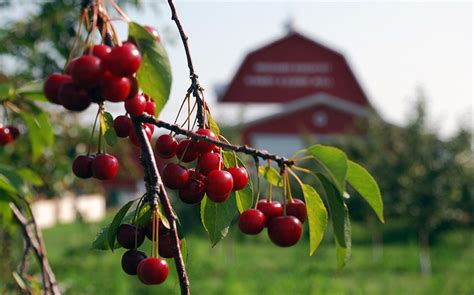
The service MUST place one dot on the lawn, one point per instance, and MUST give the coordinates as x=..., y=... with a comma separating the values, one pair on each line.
x=252, y=265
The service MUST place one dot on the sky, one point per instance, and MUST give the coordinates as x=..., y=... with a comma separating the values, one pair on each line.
x=393, y=47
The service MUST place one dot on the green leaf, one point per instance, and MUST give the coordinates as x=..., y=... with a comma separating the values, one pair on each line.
x=7, y=90
x=30, y=176
x=213, y=125
x=11, y=175
x=340, y=220
x=112, y=231
x=154, y=75
x=229, y=158
x=317, y=216
x=333, y=161
x=32, y=90
x=110, y=137
x=184, y=250
x=361, y=180
x=271, y=175
x=40, y=130
x=217, y=217
x=6, y=186
x=100, y=240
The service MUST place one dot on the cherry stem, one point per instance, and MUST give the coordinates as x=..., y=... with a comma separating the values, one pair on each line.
x=93, y=130
x=257, y=166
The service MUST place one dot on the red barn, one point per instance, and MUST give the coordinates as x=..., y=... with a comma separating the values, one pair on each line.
x=317, y=93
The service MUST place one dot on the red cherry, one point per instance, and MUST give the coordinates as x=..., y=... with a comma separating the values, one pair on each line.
x=240, y=176
x=252, y=221
x=149, y=229
x=73, y=97
x=123, y=60
x=193, y=192
x=5, y=136
x=134, y=138
x=197, y=175
x=136, y=105
x=166, y=146
x=126, y=235
x=285, y=231
x=186, y=151
x=175, y=176
x=297, y=208
x=52, y=84
x=13, y=131
x=202, y=146
x=104, y=166
x=150, y=107
x=152, y=271
x=150, y=126
x=87, y=71
x=130, y=261
x=208, y=162
x=82, y=166
x=123, y=126
x=164, y=246
x=115, y=88
x=100, y=51
x=219, y=184
x=69, y=67
x=270, y=209
x=153, y=31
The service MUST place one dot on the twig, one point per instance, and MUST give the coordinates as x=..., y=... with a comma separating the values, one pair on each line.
x=281, y=161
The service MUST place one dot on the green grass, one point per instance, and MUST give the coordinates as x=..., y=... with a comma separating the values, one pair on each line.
x=252, y=265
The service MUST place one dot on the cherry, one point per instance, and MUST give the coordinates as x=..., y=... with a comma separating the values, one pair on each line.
x=82, y=166
x=197, y=175
x=150, y=126
x=252, y=221
x=175, y=176
x=194, y=190
x=297, y=208
x=123, y=126
x=123, y=60
x=130, y=261
x=210, y=161
x=186, y=151
x=69, y=67
x=13, y=131
x=115, y=88
x=152, y=270
x=164, y=246
x=99, y=50
x=87, y=71
x=285, y=231
x=153, y=31
x=149, y=229
x=73, y=97
x=104, y=166
x=166, y=146
x=150, y=107
x=270, y=209
x=52, y=84
x=240, y=176
x=202, y=146
x=219, y=184
x=126, y=235
x=136, y=105
x=134, y=138
x=5, y=136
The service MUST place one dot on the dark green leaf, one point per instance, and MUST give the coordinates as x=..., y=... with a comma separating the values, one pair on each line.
x=30, y=176
x=40, y=130
x=344, y=253
x=6, y=90
x=333, y=161
x=317, y=216
x=109, y=120
x=100, y=240
x=12, y=176
x=6, y=186
x=361, y=180
x=217, y=217
x=112, y=231
x=154, y=75
x=110, y=137
x=271, y=175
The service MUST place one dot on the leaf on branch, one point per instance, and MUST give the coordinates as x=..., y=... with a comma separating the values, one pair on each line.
x=271, y=175
x=154, y=76
x=32, y=90
x=30, y=176
x=317, y=216
x=6, y=90
x=333, y=161
x=361, y=180
x=6, y=186
x=40, y=130
x=110, y=137
x=340, y=221
x=213, y=125
x=217, y=217
x=114, y=225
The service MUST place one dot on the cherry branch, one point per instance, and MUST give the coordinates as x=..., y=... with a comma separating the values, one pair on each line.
x=195, y=88
x=280, y=160
x=34, y=239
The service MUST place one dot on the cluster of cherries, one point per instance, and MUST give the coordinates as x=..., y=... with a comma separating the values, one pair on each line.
x=8, y=134
x=283, y=229
x=207, y=178
x=150, y=270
